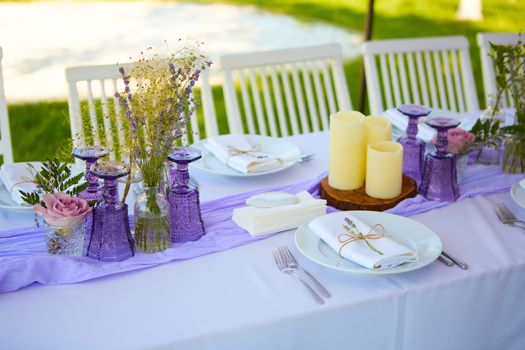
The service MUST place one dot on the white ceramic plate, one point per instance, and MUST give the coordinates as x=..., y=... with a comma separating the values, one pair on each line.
x=6, y=202
x=286, y=151
x=518, y=194
x=405, y=231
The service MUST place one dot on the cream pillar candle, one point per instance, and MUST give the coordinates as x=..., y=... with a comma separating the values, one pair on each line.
x=377, y=129
x=384, y=178
x=346, y=169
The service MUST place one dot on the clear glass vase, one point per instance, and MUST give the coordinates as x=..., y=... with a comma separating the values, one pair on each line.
x=152, y=229
x=514, y=154
x=461, y=166
x=489, y=153
x=65, y=240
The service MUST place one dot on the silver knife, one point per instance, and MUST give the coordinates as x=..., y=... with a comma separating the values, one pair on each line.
x=445, y=260
x=456, y=261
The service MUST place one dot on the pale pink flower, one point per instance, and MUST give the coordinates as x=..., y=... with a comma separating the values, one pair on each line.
x=459, y=140
x=62, y=209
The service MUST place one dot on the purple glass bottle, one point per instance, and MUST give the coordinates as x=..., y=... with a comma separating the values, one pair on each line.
x=413, y=148
x=185, y=212
x=439, y=176
x=110, y=233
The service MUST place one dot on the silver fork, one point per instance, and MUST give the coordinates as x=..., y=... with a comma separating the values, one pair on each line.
x=289, y=271
x=290, y=261
x=507, y=218
x=306, y=157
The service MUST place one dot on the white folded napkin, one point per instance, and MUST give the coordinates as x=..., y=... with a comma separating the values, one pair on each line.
x=330, y=229
x=235, y=151
x=13, y=174
x=259, y=221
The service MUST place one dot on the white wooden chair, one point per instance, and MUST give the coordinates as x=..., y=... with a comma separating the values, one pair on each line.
x=487, y=67
x=98, y=84
x=5, y=135
x=302, y=108
x=432, y=71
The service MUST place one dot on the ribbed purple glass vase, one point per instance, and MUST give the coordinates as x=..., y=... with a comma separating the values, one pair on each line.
x=111, y=238
x=440, y=181
x=185, y=212
x=413, y=148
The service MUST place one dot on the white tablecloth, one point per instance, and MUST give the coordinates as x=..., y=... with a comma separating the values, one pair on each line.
x=237, y=299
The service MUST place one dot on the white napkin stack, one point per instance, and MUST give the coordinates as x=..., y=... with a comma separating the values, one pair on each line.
x=259, y=221
x=329, y=227
x=12, y=175
x=255, y=161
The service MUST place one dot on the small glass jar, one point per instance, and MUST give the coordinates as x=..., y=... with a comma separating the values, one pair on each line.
x=152, y=229
x=461, y=166
x=514, y=155
x=65, y=240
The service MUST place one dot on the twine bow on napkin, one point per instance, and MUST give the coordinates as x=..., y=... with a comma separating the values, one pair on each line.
x=232, y=151
x=352, y=236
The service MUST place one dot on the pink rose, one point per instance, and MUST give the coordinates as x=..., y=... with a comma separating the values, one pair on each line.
x=458, y=140
x=62, y=209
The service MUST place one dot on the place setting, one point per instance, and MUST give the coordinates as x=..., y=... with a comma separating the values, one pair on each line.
x=238, y=155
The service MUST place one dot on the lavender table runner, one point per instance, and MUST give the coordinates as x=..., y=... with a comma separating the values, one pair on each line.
x=24, y=260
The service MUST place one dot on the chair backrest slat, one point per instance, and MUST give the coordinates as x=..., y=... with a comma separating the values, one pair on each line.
x=402, y=72
x=101, y=106
x=432, y=71
x=395, y=81
x=289, y=100
x=268, y=105
x=279, y=101
x=92, y=114
x=246, y=102
x=300, y=96
x=412, y=79
x=320, y=95
x=328, y=87
x=487, y=65
x=423, y=82
x=118, y=115
x=385, y=74
x=431, y=82
x=457, y=82
x=312, y=109
x=257, y=100
x=106, y=116
x=448, y=81
x=439, y=75
x=5, y=135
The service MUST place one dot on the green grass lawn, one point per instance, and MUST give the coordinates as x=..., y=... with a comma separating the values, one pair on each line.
x=38, y=129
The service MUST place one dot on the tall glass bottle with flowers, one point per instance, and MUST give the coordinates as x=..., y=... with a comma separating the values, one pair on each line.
x=158, y=101
x=509, y=66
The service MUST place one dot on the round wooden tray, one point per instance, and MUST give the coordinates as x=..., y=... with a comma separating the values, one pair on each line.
x=359, y=200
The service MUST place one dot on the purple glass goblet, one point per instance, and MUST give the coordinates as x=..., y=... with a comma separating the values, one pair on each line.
x=110, y=233
x=413, y=148
x=439, y=175
x=183, y=197
x=90, y=154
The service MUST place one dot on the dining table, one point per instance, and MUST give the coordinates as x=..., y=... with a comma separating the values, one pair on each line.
x=238, y=299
